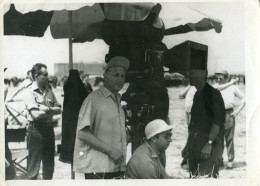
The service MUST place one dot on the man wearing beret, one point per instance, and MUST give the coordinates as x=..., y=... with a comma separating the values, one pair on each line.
x=145, y=162
x=100, y=145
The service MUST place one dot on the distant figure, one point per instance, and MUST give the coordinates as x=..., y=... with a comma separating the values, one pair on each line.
x=206, y=129
x=99, y=81
x=145, y=162
x=229, y=94
x=26, y=83
x=87, y=85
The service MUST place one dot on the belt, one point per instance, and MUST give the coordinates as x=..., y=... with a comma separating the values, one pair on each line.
x=229, y=110
x=196, y=132
x=41, y=124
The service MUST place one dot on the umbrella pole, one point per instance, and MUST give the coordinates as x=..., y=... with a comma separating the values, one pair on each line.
x=71, y=67
x=72, y=172
x=70, y=42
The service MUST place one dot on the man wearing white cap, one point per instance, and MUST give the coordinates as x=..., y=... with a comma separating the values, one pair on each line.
x=145, y=162
x=206, y=136
x=229, y=94
x=100, y=145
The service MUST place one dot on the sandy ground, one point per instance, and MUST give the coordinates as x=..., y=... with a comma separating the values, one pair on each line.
x=173, y=153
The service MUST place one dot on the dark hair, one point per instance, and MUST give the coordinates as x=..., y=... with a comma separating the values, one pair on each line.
x=28, y=72
x=37, y=69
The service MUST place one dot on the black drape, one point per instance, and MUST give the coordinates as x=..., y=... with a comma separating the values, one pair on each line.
x=74, y=95
x=29, y=24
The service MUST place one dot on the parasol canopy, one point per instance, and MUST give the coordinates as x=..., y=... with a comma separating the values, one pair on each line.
x=84, y=23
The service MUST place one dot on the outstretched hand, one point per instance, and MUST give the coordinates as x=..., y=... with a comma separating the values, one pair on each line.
x=233, y=81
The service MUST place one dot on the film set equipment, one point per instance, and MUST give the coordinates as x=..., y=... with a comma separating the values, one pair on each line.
x=146, y=97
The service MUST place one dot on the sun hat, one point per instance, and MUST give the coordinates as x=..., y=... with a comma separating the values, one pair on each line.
x=220, y=71
x=118, y=61
x=155, y=127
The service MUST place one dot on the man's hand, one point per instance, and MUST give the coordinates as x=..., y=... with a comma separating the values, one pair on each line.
x=44, y=108
x=234, y=113
x=205, y=152
x=116, y=155
x=233, y=81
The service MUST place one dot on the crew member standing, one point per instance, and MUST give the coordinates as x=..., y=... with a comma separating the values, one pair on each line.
x=41, y=104
x=100, y=146
x=229, y=94
x=206, y=135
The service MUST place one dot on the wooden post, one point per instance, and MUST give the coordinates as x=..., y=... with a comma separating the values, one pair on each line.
x=72, y=172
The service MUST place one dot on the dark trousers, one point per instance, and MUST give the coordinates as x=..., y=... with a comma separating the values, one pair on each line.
x=202, y=167
x=41, y=146
x=10, y=170
x=108, y=175
x=229, y=135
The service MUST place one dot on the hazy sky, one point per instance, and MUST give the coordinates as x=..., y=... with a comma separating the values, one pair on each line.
x=226, y=49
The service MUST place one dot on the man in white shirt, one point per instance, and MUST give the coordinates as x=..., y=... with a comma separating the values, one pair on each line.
x=229, y=94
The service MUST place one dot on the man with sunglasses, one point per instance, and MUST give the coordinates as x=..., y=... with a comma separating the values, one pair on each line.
x=145, y=162
x=232, y=110
x=41, y=104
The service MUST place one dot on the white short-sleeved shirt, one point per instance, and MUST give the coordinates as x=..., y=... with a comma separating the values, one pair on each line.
x=229, y=95
x=189, y=98
x=34, y=97
x=102, y=112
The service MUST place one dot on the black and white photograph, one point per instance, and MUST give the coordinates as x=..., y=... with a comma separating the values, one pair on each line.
x=129, y=91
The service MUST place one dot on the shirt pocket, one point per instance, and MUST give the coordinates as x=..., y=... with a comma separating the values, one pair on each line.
x=50, y=102
x=39, y=99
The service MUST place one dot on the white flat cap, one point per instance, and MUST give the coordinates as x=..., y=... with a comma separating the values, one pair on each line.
x=155, y=127
x=220, y=71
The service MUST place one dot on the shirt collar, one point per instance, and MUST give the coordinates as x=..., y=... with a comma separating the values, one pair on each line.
x=108, y=93
x=153, y=153
x=34, y=86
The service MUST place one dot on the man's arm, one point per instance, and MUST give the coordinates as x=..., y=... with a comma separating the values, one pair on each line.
x=205, y=153
x=94, y=142
x=226, y=85
x=38, y=114
x=183, y=93
x=238, y=109
x=218, y=110
x=242, y=104
x=55, y=109
x=33, y=108
x=50, y=110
